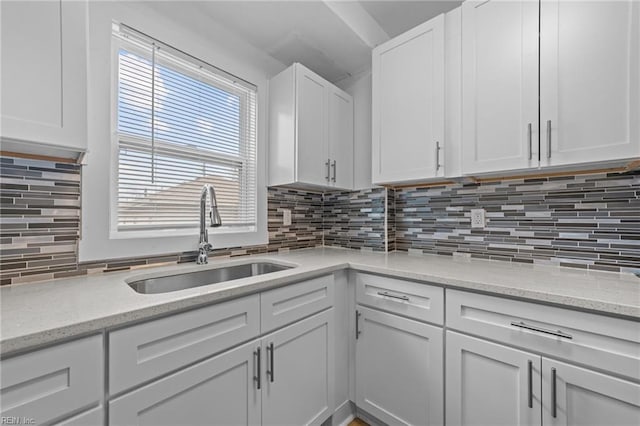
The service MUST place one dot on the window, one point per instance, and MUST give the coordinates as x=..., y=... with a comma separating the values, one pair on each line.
x=180, y=124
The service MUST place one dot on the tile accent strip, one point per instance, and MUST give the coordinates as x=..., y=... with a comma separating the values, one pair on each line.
x=587, y=221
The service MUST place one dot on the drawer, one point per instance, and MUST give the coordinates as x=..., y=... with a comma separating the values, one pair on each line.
x=598, y=341
x=48, y=384
x=410, y=299
x=145, y=351
x=288, y=304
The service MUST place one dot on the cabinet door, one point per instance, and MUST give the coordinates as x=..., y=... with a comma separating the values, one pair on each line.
x=311, y=120
x=584, y=397
x=51, y=383
x=219, y=391
x=399, y=369
x=408, y=104
x=499, y=85
x=298, y=362
x=341, y=138
x=589, y=80
x=491, y=384
x=44, y=72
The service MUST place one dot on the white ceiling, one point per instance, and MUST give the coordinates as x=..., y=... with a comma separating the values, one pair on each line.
x=311, y=32
x=396, y=17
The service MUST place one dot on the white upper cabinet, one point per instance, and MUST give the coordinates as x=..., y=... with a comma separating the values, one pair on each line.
x=340, y=138
x=408, y=105
x=589, y=80
x=499, y=85
x=310, y=132
x=583, y=104
x=44, y=82
x=311, y=115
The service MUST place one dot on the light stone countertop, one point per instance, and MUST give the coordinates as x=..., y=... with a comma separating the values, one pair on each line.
x=40, y=313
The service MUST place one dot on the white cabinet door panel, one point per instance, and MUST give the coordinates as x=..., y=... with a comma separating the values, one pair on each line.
x=585, y=397
x=490, y=384
x=298, y=362
x=399, y=369
x=499, y=85
x=219, y=391
x=43, y=45
x=311, y=115
x=341, y=138
x=590, y=80
x=408, y=105
x=48, y=384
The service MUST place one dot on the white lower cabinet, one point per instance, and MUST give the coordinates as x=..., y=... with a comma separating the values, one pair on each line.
x=218, y=391
x=283, y=378
x=54, y=384
x=491, y=384
x=399, y=369
x=577, y=396
x=297, y=387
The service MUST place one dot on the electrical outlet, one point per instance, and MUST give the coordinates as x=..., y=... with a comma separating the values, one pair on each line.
x=286, y=217
x=477, y=218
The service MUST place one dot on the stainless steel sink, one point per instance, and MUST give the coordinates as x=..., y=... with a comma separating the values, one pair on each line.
x=168, y=283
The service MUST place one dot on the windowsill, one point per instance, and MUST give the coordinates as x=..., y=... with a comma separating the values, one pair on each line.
x=183, y=232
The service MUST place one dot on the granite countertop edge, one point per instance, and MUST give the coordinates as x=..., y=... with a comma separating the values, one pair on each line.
x=310, y=263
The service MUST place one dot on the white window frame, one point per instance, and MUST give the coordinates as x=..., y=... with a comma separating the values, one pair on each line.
x=223, y=237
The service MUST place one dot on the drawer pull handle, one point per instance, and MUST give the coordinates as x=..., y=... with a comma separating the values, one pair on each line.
x=334, y=167
x=554, y=404
x=542, y=330
x=257, y=377
x=384, y=293
x=530, y=379
x=357, y=324
x=270, y=353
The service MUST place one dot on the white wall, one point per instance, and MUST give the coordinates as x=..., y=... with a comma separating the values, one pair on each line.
x=359, y=86
x=197, y=36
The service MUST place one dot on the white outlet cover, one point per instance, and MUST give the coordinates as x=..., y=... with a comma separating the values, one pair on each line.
x=286, y=217
x=478, y=218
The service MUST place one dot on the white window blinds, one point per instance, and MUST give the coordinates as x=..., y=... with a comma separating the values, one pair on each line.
x=181, y=123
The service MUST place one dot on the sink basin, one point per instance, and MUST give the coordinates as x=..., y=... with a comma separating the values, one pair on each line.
x=168, y=283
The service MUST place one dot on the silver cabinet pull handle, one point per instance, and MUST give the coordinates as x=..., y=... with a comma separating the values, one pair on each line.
x=357, y=324
x=333, y=165
x=548, y=138
x=554, y=405
x=529, y=139
x=530, y=384
x=437, y=156
x=384, y=293
x=558, y=333
x=257, y=377
x=270, y=354
x=327, y=177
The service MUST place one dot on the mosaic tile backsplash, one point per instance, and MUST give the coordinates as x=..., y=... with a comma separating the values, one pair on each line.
x=585, y=221
x=588, y=221
x=40, y=224
x=355, y=219
x=39, y=218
